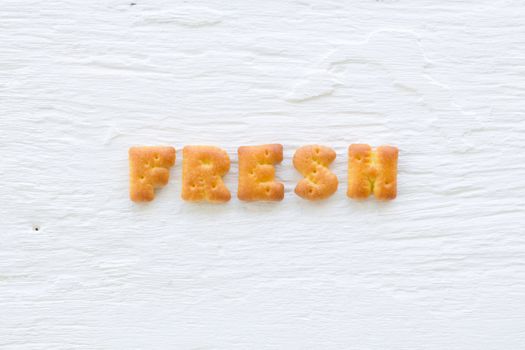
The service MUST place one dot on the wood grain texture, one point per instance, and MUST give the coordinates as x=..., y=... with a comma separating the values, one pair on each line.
x=441, y=267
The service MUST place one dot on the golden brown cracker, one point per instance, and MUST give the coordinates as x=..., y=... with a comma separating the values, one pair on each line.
x=312, y=162
x=202, y=170
x=257, y=173
x=372, y=171
x=149, y=169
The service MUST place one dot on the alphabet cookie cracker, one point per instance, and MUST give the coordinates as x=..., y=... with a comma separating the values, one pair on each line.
x=149, y=169
x=202, y=170
x=257, y=173
x=312, y=162
x=372, y=171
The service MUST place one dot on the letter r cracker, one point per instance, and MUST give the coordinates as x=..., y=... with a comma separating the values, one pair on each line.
x=202, y=170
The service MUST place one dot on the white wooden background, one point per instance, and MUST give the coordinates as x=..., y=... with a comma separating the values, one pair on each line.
x=441, y=267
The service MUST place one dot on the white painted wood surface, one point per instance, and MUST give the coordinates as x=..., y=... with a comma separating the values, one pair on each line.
x=441, y=267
